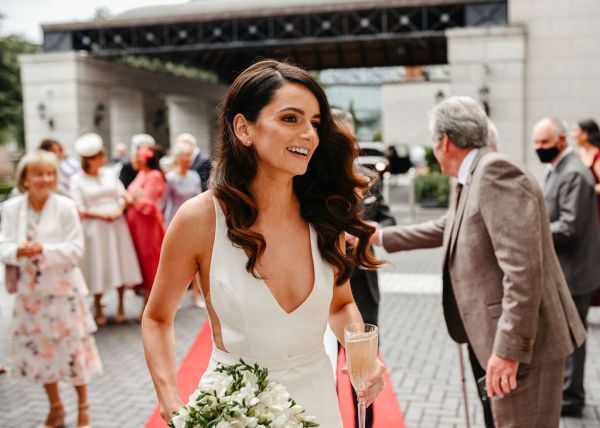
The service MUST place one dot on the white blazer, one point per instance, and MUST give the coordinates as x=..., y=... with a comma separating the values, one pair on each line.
x=61, y=236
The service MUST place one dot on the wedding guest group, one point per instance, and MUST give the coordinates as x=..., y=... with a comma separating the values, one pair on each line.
x=504, y=292
x=279, y=229
x=268, y=242
x=51, y=339
x=571, y=204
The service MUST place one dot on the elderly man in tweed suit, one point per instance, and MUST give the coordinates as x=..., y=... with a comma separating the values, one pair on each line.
x=504, y=292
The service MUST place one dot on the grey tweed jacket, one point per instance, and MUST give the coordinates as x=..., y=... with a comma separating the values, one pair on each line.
x=504, y=291
x=571, y=204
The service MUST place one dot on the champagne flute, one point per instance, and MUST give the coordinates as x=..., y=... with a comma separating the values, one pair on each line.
x=361, y=342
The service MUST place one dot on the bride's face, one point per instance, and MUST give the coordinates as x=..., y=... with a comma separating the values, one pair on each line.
x=285, y=134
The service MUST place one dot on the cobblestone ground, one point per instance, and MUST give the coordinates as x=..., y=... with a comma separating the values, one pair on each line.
x=418, y=352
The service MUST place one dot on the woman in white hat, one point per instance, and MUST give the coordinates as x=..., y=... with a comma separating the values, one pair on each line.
x=110, y=260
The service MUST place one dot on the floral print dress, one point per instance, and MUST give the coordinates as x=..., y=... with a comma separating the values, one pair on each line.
x=51, y=333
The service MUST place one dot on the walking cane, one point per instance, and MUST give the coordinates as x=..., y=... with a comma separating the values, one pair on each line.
x=461, y=364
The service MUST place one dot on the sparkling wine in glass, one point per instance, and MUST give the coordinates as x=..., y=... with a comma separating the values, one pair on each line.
x=361, y=341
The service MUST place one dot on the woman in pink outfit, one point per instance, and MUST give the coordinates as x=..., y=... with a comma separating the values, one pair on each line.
x=144, y=213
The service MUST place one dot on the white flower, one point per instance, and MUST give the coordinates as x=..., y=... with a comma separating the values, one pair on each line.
x=180, y=420
x=232, y=393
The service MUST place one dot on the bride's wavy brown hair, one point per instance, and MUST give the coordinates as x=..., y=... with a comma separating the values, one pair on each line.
x=329, y=192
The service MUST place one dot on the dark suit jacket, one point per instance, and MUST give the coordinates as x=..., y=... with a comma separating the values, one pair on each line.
x=203, y=167
x=365, y=283
x=127, y=174
x=504, y=290
x=571, y=204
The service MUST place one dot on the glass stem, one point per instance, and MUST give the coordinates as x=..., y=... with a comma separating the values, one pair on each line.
x=362, y=411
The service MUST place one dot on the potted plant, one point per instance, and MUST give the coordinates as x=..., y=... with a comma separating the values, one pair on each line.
x=432, y=189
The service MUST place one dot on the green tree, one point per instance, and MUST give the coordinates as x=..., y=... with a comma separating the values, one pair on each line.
x=101, y=12
x=11, y=100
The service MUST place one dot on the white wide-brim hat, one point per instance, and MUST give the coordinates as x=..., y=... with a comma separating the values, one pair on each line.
x=88, y=145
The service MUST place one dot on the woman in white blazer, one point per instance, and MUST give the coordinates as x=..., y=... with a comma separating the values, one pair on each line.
x=52, y=326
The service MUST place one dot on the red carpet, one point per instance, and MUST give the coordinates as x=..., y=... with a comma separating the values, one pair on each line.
x=386, y=411
x=190, y=371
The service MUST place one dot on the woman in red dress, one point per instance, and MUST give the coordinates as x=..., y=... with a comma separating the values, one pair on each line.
x=587, y=136
x=144, y=213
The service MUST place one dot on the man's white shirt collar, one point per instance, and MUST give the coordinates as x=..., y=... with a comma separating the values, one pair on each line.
x=465, y=166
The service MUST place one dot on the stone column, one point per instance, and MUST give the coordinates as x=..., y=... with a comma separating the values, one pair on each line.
x=193, y=115
x=50, y=102
x=405, y=109
x=493, y=59
x=563, y=59
x=126, y=115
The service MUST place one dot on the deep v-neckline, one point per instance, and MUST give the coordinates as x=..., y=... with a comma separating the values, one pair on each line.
x=314, y=282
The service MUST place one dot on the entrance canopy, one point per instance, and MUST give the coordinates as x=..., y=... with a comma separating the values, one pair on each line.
x=227, y=35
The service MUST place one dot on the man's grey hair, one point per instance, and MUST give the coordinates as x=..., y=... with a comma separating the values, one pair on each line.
x=559, y=127
x=492, y=135
x=462, y=119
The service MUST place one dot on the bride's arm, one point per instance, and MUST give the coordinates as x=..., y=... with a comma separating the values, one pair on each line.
x=182, y=252
x=343, y=311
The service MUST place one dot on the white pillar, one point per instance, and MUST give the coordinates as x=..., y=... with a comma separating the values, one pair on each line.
x=50, y=102
x=493, y=57
x=126, y=115
x=563, y=60
x=67, y=93
x=190, y=114
x=405, y=111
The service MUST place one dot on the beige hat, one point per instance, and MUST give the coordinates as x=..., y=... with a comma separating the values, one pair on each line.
x=88, y=145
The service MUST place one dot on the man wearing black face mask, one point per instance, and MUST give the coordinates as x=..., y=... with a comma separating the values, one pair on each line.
x=571, y=204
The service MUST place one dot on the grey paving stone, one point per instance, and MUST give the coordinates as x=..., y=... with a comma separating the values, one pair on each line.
x=421, y=359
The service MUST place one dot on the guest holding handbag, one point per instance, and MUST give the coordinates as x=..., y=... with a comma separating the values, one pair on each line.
x=52, y=327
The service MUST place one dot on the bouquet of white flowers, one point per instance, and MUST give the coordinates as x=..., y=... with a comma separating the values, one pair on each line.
x=238, y=396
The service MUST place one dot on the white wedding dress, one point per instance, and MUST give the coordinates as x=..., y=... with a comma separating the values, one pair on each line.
x=255, y=327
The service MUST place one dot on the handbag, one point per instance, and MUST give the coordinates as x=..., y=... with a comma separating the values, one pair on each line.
x=11, y=278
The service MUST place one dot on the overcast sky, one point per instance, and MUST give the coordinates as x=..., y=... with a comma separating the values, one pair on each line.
x=25, y=16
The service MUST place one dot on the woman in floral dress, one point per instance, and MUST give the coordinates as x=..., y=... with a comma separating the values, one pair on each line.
x=52, y=326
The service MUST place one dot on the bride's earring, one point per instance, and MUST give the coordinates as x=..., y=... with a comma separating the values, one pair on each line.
x=248, y=143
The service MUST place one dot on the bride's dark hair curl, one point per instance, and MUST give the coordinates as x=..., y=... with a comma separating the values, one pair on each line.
x=329, y=192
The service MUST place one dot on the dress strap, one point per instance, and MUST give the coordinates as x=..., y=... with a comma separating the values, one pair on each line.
x=223, y=249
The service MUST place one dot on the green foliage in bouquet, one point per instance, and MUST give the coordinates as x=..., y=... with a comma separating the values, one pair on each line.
x=241, y=395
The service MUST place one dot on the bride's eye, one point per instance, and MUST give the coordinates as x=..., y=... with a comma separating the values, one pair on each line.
x=290, y=118
x=316, y=125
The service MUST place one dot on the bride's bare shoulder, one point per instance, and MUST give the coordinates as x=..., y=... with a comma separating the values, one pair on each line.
x=195, y=219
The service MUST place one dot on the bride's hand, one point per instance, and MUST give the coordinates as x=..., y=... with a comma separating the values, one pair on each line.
x=374, y=385
x=166, y=412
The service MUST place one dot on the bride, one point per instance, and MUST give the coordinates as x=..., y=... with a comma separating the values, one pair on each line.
x=267, y=241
